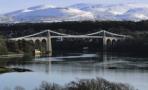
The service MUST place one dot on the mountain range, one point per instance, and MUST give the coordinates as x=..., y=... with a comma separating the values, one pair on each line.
x=79, y=12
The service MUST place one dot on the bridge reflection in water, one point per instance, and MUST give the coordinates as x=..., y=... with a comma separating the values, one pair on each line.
x=64, y=69
x=100, y=60
x=45, y=43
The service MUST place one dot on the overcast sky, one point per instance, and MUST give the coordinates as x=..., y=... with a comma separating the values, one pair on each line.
x=11, y=5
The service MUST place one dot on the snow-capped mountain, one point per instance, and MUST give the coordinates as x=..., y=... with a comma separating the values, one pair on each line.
x=82, y=11
x=47, y=13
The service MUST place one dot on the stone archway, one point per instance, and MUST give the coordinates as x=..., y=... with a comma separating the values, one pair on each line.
x=31, y=45
x=37, y=44
x=44, y=45
x=118, y=42
x=19, y=42
x=113, y=42
x=109, y=42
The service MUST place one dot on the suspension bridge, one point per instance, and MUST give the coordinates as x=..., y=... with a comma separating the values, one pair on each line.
x=107, y=37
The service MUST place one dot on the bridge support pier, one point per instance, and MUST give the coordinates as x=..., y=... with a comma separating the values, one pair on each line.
x=104, y=43
x=49, y=44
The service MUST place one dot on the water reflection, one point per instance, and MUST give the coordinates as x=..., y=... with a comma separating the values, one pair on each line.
x=63, y=69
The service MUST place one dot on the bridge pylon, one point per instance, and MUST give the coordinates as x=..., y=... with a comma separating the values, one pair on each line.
x=49, y=44
x=104, y=41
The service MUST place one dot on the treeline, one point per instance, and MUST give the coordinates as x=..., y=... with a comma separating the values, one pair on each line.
x=11, y=47
x=3, y=47
x=20, y=46
x=124, y=27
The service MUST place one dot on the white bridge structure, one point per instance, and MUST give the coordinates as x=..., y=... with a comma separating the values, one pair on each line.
x=106, y=36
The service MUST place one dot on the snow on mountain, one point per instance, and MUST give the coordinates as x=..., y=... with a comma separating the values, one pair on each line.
x=136, y=14
x=130, y=11
x=82, y=11
x=40, y=7
x=50, y=13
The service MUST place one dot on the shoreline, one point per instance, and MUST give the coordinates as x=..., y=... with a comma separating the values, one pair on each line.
x=6, y=70
x=11, y=56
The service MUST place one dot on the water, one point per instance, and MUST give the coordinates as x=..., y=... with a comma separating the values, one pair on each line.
x=63, y=69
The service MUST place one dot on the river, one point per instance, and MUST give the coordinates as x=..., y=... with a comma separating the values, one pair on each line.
x=73, y=66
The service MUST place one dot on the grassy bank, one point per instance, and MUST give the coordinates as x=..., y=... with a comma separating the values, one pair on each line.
x=11, y=56
x=4, y=70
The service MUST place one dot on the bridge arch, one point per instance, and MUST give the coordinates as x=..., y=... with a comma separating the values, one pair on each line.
x=44, y=45
x=37, y=44
x=118, y=42
x=114, y=42
x=109, y=43
x=19, y=42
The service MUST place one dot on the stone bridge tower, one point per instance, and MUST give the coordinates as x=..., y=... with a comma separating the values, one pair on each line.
x=49, y=44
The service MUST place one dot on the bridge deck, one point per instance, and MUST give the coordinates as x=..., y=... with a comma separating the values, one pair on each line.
x=62, y=35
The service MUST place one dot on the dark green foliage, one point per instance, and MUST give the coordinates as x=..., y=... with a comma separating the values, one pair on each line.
x=12, y=46
x=20, y=46
x=3, y=48
x=27, y=57
x=125, y=27
x=3, y=70
x=27, y=46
